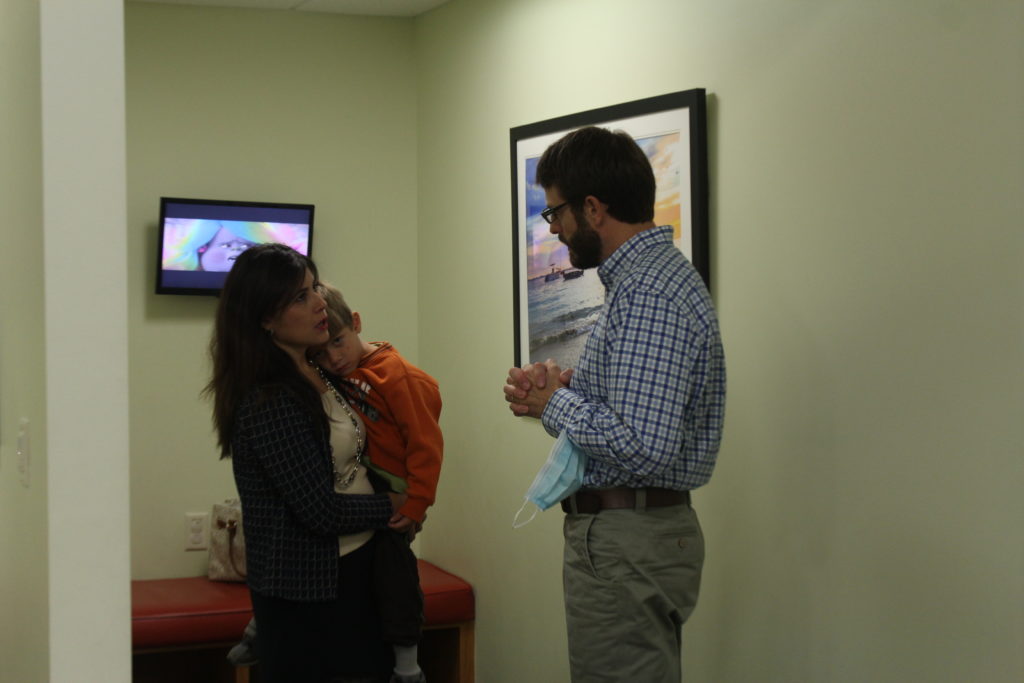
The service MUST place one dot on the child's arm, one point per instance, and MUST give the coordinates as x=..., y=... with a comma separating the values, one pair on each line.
x=416, y=407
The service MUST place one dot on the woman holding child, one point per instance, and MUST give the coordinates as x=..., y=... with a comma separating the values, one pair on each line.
x=296, y=449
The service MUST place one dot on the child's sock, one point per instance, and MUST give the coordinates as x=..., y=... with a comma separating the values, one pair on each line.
x=406, y=664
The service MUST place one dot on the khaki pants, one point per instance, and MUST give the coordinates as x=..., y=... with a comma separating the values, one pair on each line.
x=631, y=580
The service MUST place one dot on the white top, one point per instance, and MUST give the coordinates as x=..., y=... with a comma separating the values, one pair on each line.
x=343, y=452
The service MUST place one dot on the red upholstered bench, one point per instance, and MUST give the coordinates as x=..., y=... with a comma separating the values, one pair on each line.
x=194, y=613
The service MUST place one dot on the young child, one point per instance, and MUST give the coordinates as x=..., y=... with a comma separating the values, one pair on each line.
x=400, y=406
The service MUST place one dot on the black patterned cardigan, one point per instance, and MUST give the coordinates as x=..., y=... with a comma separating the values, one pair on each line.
x=292, y=517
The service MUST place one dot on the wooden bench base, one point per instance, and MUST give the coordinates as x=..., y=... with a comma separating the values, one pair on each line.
x=446, y=656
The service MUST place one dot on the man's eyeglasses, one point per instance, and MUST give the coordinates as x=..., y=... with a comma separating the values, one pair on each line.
x=550, y=214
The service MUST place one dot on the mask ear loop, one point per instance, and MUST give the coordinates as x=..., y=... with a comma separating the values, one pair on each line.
x=516, y=524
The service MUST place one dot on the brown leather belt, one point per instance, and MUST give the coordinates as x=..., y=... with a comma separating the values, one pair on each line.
x=592, y=501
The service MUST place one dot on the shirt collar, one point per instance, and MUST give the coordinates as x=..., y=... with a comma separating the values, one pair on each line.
x=622, y=258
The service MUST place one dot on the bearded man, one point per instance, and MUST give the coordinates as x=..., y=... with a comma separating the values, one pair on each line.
x=646, y=404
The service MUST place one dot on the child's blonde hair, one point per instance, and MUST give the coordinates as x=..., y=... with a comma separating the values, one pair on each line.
x=339, y=315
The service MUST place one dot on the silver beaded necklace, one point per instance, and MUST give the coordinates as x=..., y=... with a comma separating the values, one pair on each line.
x=343, y=481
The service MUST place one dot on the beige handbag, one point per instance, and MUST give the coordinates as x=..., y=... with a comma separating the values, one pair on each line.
x=227, y=542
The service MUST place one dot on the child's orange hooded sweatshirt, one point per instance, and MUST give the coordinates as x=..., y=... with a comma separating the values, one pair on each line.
x=400, y=405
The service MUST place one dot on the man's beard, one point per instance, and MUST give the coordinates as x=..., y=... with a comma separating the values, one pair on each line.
x=584, y=245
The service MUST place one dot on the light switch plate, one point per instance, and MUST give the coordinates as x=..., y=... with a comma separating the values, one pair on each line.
x=24, y=453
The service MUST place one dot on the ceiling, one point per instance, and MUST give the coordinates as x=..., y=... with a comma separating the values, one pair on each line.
x=386, y=8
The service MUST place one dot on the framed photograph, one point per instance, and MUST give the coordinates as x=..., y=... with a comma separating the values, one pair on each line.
x=555, y=304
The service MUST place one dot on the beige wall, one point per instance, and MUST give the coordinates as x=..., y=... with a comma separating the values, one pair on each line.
x=866, y=166
x=255, y=105
x=866, y=161
x=23, y=528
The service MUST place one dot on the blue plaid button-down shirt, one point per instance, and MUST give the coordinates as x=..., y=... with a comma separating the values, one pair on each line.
x=647, y=401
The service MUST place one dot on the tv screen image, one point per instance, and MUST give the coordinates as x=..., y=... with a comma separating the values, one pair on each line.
x=201, y=238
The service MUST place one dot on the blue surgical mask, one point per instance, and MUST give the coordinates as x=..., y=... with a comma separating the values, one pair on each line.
x=560, y=477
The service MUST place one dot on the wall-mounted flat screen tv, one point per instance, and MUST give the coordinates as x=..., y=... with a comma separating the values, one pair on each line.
x=201, y=238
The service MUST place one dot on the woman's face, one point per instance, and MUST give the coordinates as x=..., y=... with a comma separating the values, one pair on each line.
x=220, y=253
x=302, y=322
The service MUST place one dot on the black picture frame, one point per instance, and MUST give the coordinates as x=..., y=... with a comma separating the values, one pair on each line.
x=672, y=129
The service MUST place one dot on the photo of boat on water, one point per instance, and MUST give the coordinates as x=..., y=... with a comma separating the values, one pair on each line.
x=562, y=313
x=556, y=304
x=564, y=301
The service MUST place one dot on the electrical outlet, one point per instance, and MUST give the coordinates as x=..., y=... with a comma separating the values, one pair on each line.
x=197, y=530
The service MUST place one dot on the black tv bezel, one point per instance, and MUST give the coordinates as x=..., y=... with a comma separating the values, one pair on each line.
x=161, y=288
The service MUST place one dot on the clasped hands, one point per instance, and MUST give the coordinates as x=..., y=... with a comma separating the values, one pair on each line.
x=529, y=388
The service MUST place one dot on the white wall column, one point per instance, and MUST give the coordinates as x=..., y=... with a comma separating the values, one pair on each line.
x=84, y=221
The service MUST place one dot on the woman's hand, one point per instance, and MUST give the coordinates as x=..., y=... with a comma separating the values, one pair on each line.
x=397, y=500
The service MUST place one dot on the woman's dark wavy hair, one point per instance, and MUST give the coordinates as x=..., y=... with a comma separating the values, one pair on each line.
x=245, y=358
x=606, y=164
